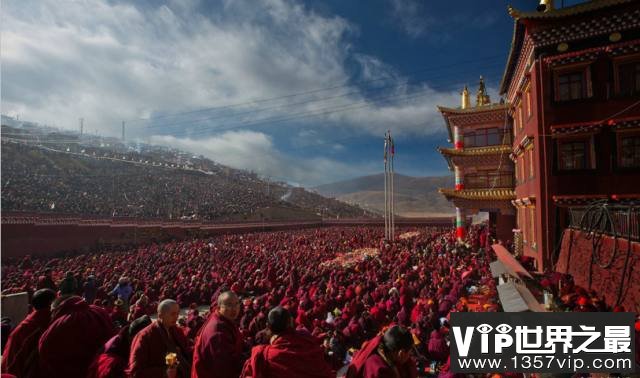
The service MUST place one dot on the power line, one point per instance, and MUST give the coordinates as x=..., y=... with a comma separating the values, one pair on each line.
x=258, y=110
x=257, y=101
x=314, y=113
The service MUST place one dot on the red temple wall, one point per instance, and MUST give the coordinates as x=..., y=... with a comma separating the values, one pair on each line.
x=575, y=259
x=604, y=179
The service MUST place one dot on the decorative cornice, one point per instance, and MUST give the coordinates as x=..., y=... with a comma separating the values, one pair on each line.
x=542, y=36
x=566, y=11
x=476, y=109
x=475, y=151
x=479, y=194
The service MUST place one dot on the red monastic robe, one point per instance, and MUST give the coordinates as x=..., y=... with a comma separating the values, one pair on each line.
x=20, y=356
x=218, y=349
x=293, y=354
x=150, y=347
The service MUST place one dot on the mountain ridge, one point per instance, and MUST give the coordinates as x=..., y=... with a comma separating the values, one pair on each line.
x=414, y=196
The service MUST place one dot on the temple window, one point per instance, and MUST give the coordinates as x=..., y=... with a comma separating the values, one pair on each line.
x=522, y=224
x=628, y=78
x=570, y=86
x=629, y=150
x=572, y=83
x=488, y=179
x=520, y=120
x=531, y=161
x=532, y=226
x=525, y=161
x=575, y=154
x=529, y=104
x=486, y=137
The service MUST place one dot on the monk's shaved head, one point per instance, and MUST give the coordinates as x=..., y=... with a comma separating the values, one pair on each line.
x=229, y=305
x=225, y=297
x=168, y=313
x=166, y=306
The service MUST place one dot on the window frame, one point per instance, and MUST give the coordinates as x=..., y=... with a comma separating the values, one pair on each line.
x=529, y=150
x=617, y=63
x=532, y=228
x=619, y=136
x=590, y=163
x=484, y=134
x=584, y=69
x=525, y=226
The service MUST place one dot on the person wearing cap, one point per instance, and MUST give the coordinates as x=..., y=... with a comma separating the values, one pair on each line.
x=68, y=285
x=123, y=290
x=385, y=356
x=90, y=289
x=114, y=357
x=218, y=347
x=290, y=353
x=21, y=350
x=151, y=346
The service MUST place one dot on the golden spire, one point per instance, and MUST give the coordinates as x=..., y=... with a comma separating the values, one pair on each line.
x=466, y=103
x=482, y=98
x=545, y=6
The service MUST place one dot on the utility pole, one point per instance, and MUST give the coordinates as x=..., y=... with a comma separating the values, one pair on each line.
x=389, y=203
x=123, y=131
x=81, y=126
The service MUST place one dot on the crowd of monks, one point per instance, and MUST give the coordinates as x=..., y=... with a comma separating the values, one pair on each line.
x=257, y=305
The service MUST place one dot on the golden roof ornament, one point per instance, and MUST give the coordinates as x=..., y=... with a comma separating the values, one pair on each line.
x=545, y=6
x=466, y=101
x=482, y=98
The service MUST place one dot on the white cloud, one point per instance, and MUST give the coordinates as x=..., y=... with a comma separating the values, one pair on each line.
x=256, y=152
x=107, y=62
x=410, y=15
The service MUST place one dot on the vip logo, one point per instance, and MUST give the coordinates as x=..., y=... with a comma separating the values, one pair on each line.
x=502, y=339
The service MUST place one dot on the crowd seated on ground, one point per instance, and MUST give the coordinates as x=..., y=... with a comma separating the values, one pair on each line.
x=257, y=305
x=115, y=184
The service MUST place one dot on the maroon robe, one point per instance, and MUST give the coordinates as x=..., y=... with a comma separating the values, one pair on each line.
x=20, y=356
x=76, y=334
x=150, y=347
x=218, y=349
x=113, y=360
x=293, y=355
x=367, y=363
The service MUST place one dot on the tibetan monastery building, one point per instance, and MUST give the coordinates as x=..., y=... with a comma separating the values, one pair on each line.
x=572, y=80
x=484, y=174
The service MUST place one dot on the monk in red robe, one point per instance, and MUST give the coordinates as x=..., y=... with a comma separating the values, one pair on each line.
x=76, y=333
x=386, y=356
x=150, y=347
x=290, y=354
x=20, y=356
x=218, y=349
x=114, y=359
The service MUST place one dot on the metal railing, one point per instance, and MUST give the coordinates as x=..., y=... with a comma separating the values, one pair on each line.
x=615, y=220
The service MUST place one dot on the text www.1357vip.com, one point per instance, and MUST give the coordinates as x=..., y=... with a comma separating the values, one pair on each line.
x=543, y=362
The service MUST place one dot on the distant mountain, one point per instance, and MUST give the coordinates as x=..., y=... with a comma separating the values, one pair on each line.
x=415, y=196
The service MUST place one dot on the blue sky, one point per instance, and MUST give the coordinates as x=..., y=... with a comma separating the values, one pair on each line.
x=295, y=90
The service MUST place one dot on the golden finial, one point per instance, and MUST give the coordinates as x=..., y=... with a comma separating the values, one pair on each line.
x=466, y=103
x=545, y=6
x=482, y=98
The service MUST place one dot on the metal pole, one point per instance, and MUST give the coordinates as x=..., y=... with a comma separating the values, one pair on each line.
x=392, y=200
x=386, y=229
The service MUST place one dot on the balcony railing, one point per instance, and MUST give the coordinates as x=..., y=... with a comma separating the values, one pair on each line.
x=486, y=181
x=621, y=221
